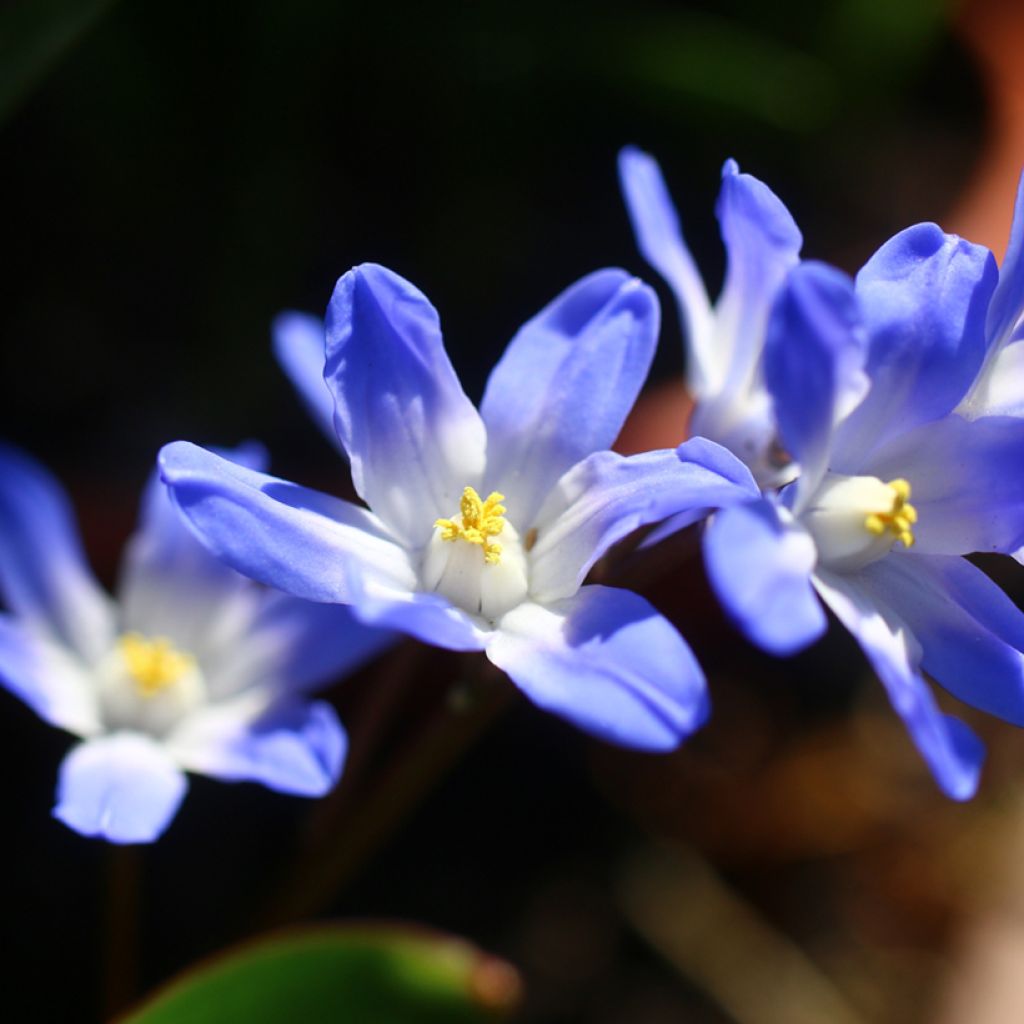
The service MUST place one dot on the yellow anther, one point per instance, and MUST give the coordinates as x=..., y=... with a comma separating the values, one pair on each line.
x=153, y=664
x=899, y=519
x=478, y=523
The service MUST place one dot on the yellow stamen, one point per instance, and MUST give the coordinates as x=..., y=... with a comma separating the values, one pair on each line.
x=154, y=664
x=900, y=518
x=480, y=521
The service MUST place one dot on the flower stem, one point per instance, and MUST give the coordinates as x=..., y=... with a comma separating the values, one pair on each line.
x=355, y=828
x=121, y=929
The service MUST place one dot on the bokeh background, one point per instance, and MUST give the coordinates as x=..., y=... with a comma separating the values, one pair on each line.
x=175, y=174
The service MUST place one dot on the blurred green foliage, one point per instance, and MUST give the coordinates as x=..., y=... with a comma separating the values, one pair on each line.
x=332, y=975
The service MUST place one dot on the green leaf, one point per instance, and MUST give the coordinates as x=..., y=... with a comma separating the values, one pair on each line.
x=34, y=35
x=339, y=975
x=680, y=56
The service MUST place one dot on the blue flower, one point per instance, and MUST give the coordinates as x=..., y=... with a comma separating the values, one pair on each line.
x=725, y=342
x=895, y=486
x=482, y=526
x=193, y=667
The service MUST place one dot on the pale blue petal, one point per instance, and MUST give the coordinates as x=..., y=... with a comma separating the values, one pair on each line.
x=122, y=787
x=971, y=634
x=300, y=541
x=762, y=244
x=924, y=296
x=608, y=496
x=966, y=483
x=44, y=577
x=293, y=747
x=606, y=661
x=414, y=439
x=671, y=526
x=659, y=237
x=297, y=645
x=813, y=365
x=1008, y=301
x=299, y=345
x=565, y=384
x=47, y=677
x=953, y=753
x=170, y=584
x=760, y=567
x=999, y=390
x=745, y=424
x=427, y=616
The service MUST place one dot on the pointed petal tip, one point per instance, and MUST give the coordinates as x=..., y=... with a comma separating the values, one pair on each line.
x=371, y=295
x=636, y=296
x=597, y=296
x=747, y=205
x=730, y=169
x=611, y=278
x=373, y=277
x=960, y=777
x=173, y=460
x=362, y=279
x=818, y=291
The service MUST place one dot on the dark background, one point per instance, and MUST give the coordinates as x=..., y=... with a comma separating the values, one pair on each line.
x=174, y=174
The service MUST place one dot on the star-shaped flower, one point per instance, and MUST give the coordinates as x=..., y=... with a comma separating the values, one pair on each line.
x=193, y=667
x=480, y=527
x=894, y=487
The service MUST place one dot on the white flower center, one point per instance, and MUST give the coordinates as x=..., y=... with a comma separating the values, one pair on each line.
x=855, y=520
x=148, y=684
x=476, y=559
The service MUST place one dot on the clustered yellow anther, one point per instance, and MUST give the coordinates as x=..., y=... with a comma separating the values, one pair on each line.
x=153, y=664
x=481, y=520
x=899, y=520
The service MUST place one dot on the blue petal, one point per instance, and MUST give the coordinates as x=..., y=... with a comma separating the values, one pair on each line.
x=123, y=788
x=606, y=661
x=414, y=439
x=303, y=645
x=565, y=385
x=813, y=365
x=294, y=747
x=170, y=584
x=971, y=634
x=762, y=244
x=43, y=573
x=303, y=542
x=1008, y=300
x=745, y=424
x=966, y=483
x=299, y=345
x=427, y=616
x=924, y=297
x=608, y=496
x=659, y=237
x=952, y=751
x=760, y=568
x=48, y=678
x=999, y=389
